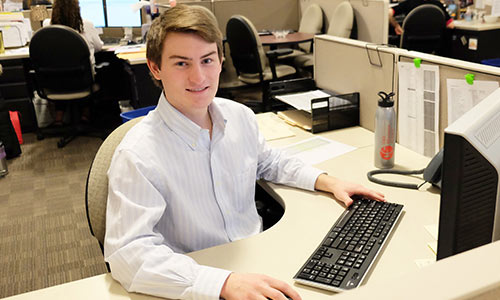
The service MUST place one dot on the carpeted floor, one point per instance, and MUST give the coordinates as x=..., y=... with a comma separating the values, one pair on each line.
x=44, y=235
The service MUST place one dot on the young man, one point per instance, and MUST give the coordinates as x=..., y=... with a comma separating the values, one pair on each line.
x=183, y=179
x=408, y=5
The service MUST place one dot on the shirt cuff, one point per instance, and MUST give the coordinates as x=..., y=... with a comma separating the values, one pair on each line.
x=307, y=178
x=208, y=283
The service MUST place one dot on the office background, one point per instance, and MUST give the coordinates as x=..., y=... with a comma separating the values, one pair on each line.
x=44, y=236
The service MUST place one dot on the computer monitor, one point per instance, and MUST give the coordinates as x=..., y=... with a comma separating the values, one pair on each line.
x=119, y=13
x=469, y=214
x=93, y=10
x=110, y=13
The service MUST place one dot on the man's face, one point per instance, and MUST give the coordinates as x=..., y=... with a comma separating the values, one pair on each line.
x=189, y=72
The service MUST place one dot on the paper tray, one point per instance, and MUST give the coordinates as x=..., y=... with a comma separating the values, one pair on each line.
x=328, y=113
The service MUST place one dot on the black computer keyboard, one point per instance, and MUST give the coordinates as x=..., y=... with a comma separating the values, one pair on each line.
x=349, y=249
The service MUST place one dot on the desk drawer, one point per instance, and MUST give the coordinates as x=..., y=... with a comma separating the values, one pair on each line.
x=12, y=74
x=14, y=90
x=26, y=112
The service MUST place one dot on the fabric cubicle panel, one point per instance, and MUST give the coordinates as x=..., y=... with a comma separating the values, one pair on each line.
x=346, y=66
x=264, y=14
x=450, y=69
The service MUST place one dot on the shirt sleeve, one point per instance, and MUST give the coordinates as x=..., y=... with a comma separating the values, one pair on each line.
x=92, y=35
x=136, y=252
x=275, y=166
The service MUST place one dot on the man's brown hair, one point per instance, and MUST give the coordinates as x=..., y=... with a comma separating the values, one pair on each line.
x=183, y=19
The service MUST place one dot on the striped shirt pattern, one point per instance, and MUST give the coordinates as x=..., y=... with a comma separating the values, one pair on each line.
x=173, y=189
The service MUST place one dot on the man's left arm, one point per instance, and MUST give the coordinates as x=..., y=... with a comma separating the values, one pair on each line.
x=276, y=166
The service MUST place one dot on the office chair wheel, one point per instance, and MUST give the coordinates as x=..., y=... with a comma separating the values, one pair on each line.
x=61, y=144
x=40, y=136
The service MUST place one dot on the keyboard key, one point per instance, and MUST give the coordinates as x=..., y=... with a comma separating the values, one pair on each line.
x=306, y=276
x=336, y=283
x=323, y=280
x=311, y=263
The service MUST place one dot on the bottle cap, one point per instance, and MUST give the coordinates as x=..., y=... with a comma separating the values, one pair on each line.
x=385, y=99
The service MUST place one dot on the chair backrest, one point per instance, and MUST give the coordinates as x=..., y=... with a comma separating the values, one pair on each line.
x=312, y=19
x=96, y=190
x=342, y=20
x=423, y=29
x=311, y=22
x=245, y=46
x=60, y=57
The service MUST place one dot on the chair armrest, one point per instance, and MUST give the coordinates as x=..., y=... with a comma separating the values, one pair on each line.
x=101, y=65
x=273, y=54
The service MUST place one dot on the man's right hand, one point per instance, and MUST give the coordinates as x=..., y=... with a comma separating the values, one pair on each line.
x=398, y=29
x=240, y=286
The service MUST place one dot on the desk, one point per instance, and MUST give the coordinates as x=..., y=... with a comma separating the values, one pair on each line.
x=15, y=86
x=487, y=36
x=143, y=92
x=15, y=53
x=291, y=38
x=281, y=250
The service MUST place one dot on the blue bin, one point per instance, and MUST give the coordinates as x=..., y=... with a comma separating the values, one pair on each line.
x=129, y=115
x=491, y=62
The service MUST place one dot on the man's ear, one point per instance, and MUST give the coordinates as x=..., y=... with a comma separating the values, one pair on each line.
x=154, y=68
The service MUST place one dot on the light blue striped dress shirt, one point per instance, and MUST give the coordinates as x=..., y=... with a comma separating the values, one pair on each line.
x=174, y=190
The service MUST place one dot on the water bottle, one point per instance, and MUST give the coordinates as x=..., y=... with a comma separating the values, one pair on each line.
x=385, y=132
x=3, y=161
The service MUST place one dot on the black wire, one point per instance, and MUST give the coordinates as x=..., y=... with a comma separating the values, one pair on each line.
x=393, y=183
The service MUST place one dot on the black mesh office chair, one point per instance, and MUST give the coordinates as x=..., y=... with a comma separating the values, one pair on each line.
x=62, y=71
x=424, y=29
x=253, y=65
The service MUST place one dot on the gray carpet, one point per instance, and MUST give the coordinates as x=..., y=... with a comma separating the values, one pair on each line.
x=44, y=235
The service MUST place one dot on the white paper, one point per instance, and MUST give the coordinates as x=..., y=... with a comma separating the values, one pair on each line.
x=272, y=127
x=463, y=96
x=495, y=7
x=302, y=101
x=10, y=5
x=432, y=230
x=424, y=262
x=138, y=5
x=23, y=50
x=317, y=149
x=418, y=108
x=131, y=48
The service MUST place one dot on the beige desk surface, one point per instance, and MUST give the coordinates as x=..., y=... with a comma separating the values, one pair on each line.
x=23, y=52
x=14, y=53
x=281, y=250
x=476, y=26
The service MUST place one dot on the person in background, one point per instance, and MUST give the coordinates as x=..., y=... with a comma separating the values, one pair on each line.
x=404, y=8
x=183, y=178
x=67, y=12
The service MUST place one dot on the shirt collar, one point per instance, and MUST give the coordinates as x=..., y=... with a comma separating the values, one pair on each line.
x=186, y=129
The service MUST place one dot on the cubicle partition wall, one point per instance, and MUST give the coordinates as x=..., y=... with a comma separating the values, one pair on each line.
x=347, y=66
x=265, y=14
x=276, y=14
x=450, y=69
